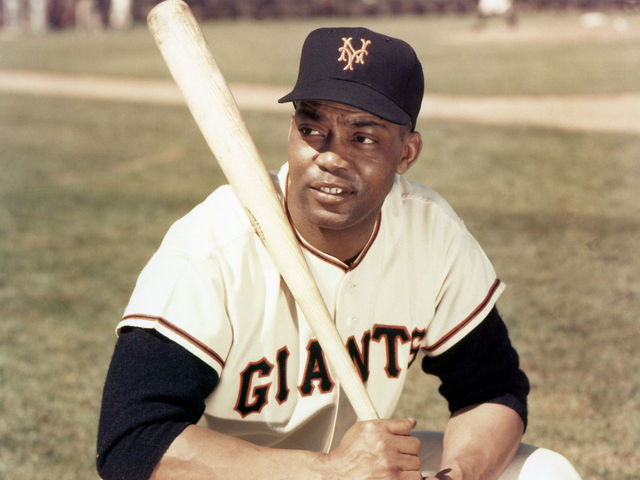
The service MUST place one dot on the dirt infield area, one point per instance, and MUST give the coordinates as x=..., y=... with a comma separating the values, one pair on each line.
x=605, y=113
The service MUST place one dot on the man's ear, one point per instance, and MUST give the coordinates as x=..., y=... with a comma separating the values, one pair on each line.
x=412, y=146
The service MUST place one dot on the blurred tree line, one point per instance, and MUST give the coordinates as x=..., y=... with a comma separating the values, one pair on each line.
x=42, y=15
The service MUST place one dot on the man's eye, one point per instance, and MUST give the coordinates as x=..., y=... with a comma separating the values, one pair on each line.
x=307, y=131
x=364, y=139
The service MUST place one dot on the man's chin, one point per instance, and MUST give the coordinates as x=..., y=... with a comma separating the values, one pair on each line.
x=332, y=222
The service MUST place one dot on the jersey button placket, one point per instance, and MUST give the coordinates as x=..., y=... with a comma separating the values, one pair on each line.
x=347, y=304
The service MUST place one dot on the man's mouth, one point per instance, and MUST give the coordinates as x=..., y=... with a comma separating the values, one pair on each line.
x=332, y=190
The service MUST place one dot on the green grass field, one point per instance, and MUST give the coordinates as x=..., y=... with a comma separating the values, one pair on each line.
x=88, y=189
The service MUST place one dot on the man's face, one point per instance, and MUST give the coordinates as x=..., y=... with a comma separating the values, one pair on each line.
x=342, y=163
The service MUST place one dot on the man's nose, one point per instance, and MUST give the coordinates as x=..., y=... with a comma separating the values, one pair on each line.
x=333, y=156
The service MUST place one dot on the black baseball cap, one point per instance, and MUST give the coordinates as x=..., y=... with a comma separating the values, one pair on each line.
x=361, y=68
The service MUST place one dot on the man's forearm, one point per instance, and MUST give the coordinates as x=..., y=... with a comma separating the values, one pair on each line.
x=202, y=453
x=369, y=449
x=479, y=442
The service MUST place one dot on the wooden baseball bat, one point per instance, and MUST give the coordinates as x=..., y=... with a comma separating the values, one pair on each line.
x=212, y=105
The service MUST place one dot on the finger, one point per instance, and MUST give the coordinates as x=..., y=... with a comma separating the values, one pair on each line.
x=412, y=476
x=400, y=426
x=409, y=463
x=409, y=445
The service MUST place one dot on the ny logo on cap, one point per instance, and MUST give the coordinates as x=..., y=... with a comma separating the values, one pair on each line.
x=350, y=54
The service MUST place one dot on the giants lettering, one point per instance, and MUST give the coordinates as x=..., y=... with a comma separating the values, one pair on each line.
x=416, y=339
x=391, y=335
x=259, y=394
x=316, y=371
x=283, y=389
x=360, y=357
x=254, y=395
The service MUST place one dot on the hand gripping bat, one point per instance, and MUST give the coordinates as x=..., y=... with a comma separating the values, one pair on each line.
x=214, y=109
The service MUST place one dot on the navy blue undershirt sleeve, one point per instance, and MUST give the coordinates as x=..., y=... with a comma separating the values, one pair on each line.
x=154, y=389
x=483, y=367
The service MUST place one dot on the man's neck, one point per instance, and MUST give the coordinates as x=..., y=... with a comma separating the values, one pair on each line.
x=336, y=243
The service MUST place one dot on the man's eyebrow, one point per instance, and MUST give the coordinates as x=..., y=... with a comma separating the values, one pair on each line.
x=308, y=111
x=366, y=123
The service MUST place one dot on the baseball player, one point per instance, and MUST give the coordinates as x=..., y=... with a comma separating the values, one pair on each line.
x=216, y=374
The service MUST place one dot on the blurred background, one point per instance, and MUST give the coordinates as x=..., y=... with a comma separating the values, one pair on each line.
x=531, y=129
x=43, y=15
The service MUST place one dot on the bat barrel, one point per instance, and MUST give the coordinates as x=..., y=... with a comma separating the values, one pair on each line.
x=214, y=109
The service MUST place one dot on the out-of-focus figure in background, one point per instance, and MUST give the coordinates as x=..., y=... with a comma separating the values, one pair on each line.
x=496, y=8
x=19, y=14
x=39, y=16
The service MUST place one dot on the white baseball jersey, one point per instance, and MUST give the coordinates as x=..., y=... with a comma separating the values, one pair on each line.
x=421, y=283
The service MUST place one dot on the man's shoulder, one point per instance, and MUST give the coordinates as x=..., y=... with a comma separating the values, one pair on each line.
x=218, y=226
x=215, y=223
x=408, y=198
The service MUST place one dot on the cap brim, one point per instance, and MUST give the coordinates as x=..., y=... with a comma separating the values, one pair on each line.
x=349, y=93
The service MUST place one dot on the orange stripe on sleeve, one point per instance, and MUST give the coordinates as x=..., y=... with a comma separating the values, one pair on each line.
x=467, y=320
x=177, y=330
